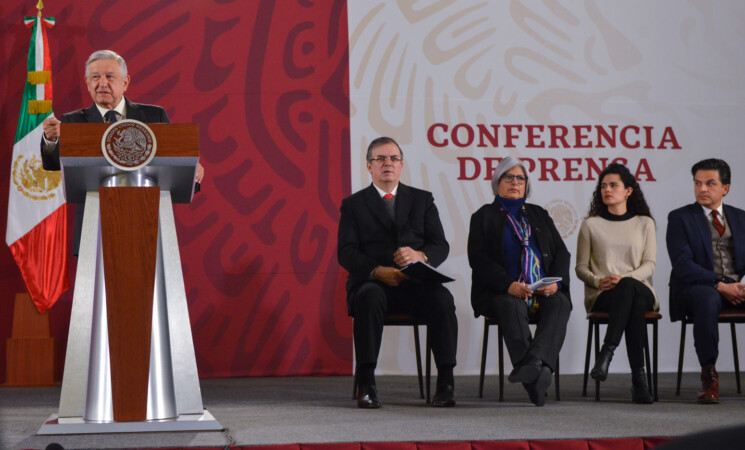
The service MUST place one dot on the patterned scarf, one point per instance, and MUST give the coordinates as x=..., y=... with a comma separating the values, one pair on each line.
x=530, y=265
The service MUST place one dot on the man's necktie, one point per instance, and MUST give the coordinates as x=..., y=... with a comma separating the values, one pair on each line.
x=390, y=205
x=111, y=116
x=717, y=224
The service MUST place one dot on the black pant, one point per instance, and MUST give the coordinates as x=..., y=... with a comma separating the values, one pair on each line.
x=512, y=315
x=373, y=300
x=626, y=305
x=703, y=305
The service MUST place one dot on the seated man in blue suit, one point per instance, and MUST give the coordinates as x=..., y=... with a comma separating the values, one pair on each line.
x=706, y=244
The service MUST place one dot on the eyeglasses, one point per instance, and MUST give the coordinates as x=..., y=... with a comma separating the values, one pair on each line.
x=381, y=159
x=519, y=179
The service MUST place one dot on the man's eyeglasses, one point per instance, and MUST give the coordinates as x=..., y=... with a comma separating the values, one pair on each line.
x=381, y=159
x=519, y=179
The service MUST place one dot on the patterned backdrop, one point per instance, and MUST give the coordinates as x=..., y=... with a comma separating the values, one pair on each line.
x=267, y=82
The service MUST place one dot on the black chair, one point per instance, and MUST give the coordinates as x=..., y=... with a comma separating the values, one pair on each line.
x=403, y=320
x=731, y=317
x=594, y=320
x=489, y=321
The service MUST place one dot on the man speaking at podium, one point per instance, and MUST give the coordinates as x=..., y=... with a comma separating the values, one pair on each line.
x=107, y=80
x=383, y=227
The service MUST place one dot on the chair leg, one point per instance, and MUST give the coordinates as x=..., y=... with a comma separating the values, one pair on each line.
x=556, y=380
x=429, y=365
x=597, y=353
x=587, y=358
x=354, y=385
x=735, y=356
x=418, y=360
x=655, y=358
x=500, y=358
x=649, y=367
x=680, y=355
x=483, y=359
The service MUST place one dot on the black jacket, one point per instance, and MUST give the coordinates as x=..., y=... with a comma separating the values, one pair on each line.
x=368, y=237
x=486, y=252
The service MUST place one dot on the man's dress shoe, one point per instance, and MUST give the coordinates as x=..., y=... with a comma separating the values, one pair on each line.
x=367, y=397
x=526, y=371
x=444, y=396
x=709, y=386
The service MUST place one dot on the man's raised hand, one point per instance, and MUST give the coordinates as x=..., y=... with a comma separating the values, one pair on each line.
x=51, y=128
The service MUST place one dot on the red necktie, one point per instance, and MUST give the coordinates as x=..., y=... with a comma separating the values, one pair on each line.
x=390, y=196
x=715, y=220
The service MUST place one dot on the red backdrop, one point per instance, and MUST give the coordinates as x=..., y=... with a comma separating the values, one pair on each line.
x=267, y=82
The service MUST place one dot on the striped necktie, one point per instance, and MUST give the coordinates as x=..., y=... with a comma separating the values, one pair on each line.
x=111, y=116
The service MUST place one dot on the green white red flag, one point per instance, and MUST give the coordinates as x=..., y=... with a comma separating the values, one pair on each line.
x=37, y=214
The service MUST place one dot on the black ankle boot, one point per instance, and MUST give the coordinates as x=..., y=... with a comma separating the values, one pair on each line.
x=600, y=371
x=640, y=391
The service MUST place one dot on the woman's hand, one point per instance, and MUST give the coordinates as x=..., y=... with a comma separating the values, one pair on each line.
x=519, y=290
x=548, y=290
x=609, y=282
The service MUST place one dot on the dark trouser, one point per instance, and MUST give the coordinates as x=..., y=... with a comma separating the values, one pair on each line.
x=512, y=315
x=703, y=304
x=373, y=300
x=626, y=305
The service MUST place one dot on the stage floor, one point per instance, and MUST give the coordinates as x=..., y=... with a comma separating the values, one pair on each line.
x=258, y=411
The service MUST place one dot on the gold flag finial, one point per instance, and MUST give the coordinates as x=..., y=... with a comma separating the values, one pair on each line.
x=39, y=6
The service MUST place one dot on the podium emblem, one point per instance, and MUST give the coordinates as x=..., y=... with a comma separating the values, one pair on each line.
x=128, y=144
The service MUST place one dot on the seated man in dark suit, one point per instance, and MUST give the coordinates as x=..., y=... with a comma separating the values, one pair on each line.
x=107, y=80
x=706, y=244
x=382, y=228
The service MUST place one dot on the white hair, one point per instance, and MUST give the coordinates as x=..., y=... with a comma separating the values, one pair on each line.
x=504, y=166
x=106, y=54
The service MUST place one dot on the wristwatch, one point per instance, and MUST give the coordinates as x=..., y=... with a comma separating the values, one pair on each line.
x=424, y=255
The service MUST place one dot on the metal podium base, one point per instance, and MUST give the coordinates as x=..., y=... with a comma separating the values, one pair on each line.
x=76, y=425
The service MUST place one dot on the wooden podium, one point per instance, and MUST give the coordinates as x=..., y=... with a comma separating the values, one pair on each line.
x=130, y=364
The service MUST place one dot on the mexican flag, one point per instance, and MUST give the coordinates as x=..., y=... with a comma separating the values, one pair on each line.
x=37, y=214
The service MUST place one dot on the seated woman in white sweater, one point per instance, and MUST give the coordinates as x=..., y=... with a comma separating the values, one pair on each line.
x=616, y=256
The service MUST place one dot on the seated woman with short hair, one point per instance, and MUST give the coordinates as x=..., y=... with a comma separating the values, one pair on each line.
x=512, y=244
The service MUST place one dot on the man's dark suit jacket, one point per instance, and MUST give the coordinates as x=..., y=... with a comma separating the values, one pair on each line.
x=136, y=111
x=691, y=253
x=368, y=237
x=486, y=252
